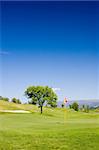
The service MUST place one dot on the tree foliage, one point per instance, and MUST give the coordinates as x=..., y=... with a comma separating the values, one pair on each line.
x=41, y=94
x=17, y=101
x=70, y=106
x=62, y=105
x=75, y=106
x=4, y=98
x=85, y=108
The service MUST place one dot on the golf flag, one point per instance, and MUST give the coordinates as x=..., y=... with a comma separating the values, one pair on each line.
x=65, y=110
x=65, y=100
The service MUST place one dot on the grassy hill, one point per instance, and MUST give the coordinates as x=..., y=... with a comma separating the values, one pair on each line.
x=4, y=105
x=55, y=129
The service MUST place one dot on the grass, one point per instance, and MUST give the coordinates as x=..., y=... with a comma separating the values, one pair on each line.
x=12, y=106
x=50, y=131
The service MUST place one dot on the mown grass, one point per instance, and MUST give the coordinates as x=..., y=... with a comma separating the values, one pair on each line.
x=55, y=129
x=13, y=106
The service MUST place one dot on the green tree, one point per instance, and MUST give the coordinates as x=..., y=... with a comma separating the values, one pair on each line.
x=40, y=94
x=4, y=98
x=62, y=105
x=86, y=109
x=70, y=106
x=17, y=101
x=75, y=106
x=83, y=106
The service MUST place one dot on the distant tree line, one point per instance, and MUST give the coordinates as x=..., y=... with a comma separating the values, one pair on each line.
x=40, y=95
x=14, y=100
x=4, y=98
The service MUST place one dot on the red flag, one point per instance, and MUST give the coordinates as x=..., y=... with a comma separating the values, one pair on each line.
x=65, y=100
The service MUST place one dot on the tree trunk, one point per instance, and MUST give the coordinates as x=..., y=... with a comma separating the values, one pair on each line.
x=41, y=110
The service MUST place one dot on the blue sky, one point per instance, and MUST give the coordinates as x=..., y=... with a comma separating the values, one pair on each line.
x=50, y=43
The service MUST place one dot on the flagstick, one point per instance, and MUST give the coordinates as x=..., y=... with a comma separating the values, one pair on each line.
x=65, y=110
x=65, y=114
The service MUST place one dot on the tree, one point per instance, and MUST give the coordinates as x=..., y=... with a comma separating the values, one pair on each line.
x=70, y=106
x=85, y=108
x=4, y=98
x=17, y=101
x=62, y=105
x=75, y=106
x=40, y=94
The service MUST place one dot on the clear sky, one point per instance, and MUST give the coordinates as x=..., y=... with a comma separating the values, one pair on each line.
x=50, y=43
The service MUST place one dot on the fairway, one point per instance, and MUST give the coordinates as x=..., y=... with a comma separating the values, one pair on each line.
x=49, y=131
x=49, y=75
